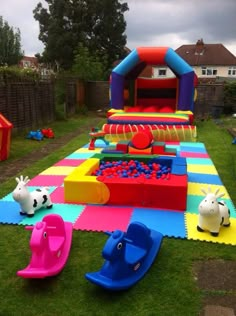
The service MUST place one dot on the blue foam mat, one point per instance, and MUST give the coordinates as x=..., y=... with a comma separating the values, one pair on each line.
x=169, y=223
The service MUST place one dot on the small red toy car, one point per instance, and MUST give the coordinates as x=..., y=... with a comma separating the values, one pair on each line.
x=47, y=132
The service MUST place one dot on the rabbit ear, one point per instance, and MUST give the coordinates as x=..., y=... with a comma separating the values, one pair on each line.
x=17, y=180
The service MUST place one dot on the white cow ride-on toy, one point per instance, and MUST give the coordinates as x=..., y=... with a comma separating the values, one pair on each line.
x=30, y=201
x=212, y=213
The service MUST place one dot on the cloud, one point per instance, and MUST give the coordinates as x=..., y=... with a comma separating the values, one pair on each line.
x=19, y=14
x=149, y=22
x=174, y=23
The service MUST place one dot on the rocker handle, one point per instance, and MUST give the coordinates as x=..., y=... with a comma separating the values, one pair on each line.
x=32, y=227
x=116, y=234
x=29, y=227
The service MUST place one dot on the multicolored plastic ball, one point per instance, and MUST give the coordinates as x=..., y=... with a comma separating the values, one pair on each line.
x=132, y=169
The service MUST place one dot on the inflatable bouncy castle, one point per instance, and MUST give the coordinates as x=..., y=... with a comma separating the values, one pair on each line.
x=163, y=106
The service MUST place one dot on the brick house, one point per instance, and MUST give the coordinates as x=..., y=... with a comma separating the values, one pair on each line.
x=32, y=62
x=209, y=60
x=29, y=62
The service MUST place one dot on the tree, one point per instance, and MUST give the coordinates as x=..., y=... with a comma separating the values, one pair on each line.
x=10, y=44
x=107, y=28
x=98, y=24
x=87, y=66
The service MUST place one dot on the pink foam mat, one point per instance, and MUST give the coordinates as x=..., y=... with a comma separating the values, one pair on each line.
x=193, y=155
x=103, y=218
x=69, y=162
x=47, y=180
x=57, y=196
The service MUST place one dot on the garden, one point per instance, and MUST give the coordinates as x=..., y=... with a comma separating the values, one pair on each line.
x=172, y=286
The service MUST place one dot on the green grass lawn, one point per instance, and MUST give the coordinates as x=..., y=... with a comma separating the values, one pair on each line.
x=168, y=289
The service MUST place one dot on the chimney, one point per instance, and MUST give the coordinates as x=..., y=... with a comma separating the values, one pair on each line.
x=199, y=49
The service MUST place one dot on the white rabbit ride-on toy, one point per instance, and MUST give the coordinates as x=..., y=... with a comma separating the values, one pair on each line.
x=212, y=213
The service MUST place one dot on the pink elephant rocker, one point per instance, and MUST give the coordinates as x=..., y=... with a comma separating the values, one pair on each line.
x=50, y=245
x=212, y=213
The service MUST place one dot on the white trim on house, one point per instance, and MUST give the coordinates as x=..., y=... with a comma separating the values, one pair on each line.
x=162, y=72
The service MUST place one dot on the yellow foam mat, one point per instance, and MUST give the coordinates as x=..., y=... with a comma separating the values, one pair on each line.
x=227, y=235
x=86, y=150
x=59, y=170
x=195, y=189
x=208, y=169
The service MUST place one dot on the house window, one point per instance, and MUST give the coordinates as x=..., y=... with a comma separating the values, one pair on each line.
x=232, y=71
x=26, y=63
x=161, y=72
x=209, y=71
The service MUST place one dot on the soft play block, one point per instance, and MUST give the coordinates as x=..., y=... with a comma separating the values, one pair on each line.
x=122, y=146
x=158, y=145
x=170, y=151
x=124, y=191
x=5, y=137
x=81, y=187
x=159, y=148
x=136, y=151
x=162, y=193
x=112, y=151
x=85, y=190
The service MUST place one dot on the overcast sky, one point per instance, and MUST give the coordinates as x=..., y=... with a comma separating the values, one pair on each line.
x=169, y=23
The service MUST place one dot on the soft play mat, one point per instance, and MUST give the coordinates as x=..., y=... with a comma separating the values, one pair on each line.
x=172, y=223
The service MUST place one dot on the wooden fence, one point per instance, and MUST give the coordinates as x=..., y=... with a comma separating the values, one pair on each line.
x=95, y=95
x=209, y=98
x=92, y=94
x=27, y=103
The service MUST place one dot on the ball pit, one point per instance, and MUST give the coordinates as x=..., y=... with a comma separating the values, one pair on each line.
x=132, y=169
x=131, y=180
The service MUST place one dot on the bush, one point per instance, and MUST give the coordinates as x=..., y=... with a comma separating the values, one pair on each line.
x=16, y=72
x=230, y=95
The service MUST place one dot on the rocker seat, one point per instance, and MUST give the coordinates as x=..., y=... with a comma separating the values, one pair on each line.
x=55, y=243
x=134, y=254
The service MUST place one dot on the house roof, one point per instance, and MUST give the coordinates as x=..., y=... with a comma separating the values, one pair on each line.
x=200, y=54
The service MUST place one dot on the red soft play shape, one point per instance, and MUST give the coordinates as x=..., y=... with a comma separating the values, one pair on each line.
x=142, y=140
